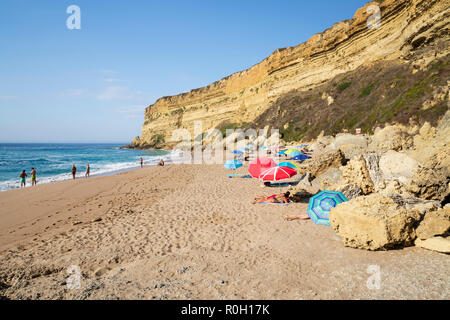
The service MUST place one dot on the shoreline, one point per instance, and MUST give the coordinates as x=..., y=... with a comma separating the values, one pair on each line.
x=60, y=178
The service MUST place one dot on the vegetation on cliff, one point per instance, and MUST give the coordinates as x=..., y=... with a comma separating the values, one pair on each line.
x=386, y=92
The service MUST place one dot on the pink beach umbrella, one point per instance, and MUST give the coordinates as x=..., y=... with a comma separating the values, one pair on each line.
x=259, y=165
x=277, y=174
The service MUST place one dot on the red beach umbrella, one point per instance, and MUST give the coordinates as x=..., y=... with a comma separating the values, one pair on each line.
x=277, y=174
x=259, y=165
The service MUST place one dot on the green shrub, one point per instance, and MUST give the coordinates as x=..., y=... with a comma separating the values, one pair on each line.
x=344, y=86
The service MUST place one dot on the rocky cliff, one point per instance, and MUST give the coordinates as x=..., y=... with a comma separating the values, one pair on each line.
x=411, y=33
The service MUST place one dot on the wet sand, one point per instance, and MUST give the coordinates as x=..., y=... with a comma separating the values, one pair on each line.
x=189, y=232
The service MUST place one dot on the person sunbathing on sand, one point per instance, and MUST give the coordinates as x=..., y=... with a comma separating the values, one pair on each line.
x=302, y=217
x=276, y=198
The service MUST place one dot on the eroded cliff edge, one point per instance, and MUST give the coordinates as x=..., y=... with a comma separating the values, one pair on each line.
x=412, y=33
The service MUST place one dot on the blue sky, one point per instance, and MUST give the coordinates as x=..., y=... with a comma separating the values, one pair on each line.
x=93, y=84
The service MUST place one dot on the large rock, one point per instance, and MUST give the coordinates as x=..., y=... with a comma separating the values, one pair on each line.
x=350, y=150
x=377, y=222
x=397, y=166
x=351, y=191
x=348, y=139
x=329, y=178
x=357, y=173
x=435, y=223
x=321, y=163
x=432, y=179
x=325, y=140
x=395, y=137
x=438, y=244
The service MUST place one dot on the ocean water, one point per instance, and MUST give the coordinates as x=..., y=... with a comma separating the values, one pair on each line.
x=53, y=162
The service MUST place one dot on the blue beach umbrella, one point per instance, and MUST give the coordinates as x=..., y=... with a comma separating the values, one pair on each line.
x=244, y=149
x=282, y=152
x=301, y=157
x=233, y=164
x=321, y=204
x=237, y=152
x=263, y=148
x=288, y=164
x=295, y=154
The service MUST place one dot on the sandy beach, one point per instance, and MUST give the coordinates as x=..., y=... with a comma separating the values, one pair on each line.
x=189, y=232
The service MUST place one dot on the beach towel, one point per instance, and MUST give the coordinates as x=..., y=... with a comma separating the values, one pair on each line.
x=281, y=184
x=239, y=176
x=282, y=204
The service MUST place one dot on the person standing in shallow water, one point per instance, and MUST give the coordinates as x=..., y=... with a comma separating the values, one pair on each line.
x=33, y=177
x=142, y=162
x=74, y=171
x=88, y=171
x=23, y=179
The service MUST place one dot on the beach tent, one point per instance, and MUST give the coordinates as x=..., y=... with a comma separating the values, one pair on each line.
x=233, y=164
x=289, y=164
x=321, y=204
x=259, y=165
x=301, y=157
x=277, y=174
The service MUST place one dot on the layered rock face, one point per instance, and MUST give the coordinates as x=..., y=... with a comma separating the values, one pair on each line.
x=240, y=98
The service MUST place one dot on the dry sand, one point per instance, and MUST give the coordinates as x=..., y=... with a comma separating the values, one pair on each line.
x=189, y=232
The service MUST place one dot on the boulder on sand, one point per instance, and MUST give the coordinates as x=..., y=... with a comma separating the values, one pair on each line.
x=378, y=222
x=438, y=244
x=435, y=223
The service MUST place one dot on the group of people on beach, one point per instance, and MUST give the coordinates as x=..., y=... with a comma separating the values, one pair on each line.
x=23, y=175
x=86, y=175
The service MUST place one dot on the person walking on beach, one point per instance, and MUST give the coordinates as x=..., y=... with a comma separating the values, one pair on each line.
x=23, y=177
x=161, y=163
x=88, y=171
x=33, y=177
x=142, y=162
x=74, y=171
